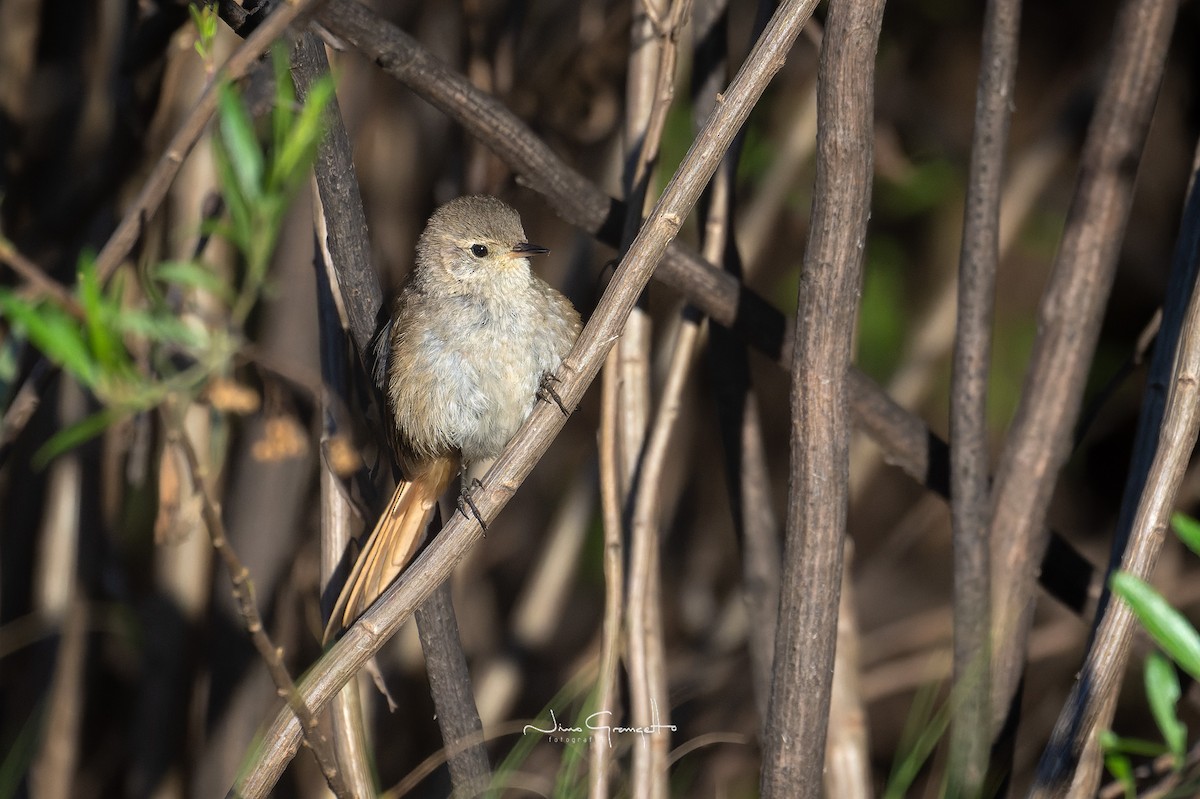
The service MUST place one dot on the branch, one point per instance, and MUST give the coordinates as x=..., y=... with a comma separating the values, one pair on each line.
x=970, y=475
x=243, y=592
x=794, y=741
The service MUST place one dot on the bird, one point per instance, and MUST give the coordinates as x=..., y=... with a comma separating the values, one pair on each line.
x=474, y=336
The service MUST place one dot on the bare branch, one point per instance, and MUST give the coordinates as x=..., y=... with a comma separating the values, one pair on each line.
x=243, y=592
x=970, y=474
x=794, y=742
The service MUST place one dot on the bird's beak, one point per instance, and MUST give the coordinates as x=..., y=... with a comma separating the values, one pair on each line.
x=524, y=249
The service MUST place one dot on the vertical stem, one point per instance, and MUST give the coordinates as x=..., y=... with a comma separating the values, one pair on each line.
x=970, y=734
x=794, y=745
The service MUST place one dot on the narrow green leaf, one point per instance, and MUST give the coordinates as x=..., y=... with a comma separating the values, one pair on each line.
x=193, y=274
x=284, y=111
x=237, y=134
x=1122, y=770
x=1162, y=693
x=70, y=437
x=159, y=327
x=300, y=143
x=197, y=17
x=108, y=348
x=9, y=349
x=242, y=228
x=1169, y=629
x=924, y=727
x=55, y=333
x=1188, y=530
x=1132, y=746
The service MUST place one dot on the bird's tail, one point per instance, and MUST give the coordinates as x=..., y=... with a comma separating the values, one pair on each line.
x=392, y=544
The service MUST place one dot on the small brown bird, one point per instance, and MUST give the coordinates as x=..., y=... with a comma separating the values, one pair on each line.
x=474, y=334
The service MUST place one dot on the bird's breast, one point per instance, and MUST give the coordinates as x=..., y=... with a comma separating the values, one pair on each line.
x=472, y=377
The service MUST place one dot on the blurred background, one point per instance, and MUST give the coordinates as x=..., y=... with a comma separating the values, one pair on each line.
x=124, y=667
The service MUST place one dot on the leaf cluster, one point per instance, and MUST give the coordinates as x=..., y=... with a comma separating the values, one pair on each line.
x=126, y=347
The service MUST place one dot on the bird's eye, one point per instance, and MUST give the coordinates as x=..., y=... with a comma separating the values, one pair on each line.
x=479, y=251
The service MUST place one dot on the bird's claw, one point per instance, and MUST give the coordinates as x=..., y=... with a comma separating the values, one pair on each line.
x=547, y=394
x=465, y=502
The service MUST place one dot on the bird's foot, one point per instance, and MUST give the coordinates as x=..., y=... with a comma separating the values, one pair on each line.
x=546, y=392
x=465, y=502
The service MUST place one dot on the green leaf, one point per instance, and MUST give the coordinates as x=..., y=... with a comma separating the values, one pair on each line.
x=1118, y=764
x=1188, y=530
x=1167, y=626
x=1162, y=693
x=193, y=274
x=924, y=727
x=98, y=313
x=159, y=327
x=237, y=134
x=1131, y=746
x=242, y=228
x=300, y=142
x=284, y=111
x=70, y=437
x=57, y=334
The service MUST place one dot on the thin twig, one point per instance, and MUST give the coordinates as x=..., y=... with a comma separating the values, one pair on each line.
x=848, y=757
x=450, y=684
x=243, y=593
x=346, y=712
x=59, y=600
x=375, y=627
x=970, y=467
x=38, y=280
x=794, y=740
x=345, y=225
x=650, y=90
x=747, y=474
x=607, y=689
